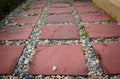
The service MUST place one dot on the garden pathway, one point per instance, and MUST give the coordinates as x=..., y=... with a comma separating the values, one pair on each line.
x=60, y=39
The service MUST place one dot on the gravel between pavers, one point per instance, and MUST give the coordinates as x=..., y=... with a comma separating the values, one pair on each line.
x=95, y=70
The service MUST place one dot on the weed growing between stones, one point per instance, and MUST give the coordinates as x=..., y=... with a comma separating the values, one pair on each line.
x=27, y=7
x=81, y=0
x=102, y=40
x=84, y=34
x=81, y=26
x=112, y=19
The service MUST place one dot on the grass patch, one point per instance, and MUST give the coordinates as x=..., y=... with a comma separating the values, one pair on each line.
x=81, y=0
x=35, y=14
x=101, y=40
x=84, y=34
x=112, y=19
x=81, y=26
x=27, y=7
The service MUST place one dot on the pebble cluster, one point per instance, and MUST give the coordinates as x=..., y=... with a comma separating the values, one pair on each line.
x=93, y=65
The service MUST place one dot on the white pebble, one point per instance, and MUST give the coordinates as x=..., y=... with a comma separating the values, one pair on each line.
x=26, y=61
x=97, y=61
x=67, y=77
x=54, y=68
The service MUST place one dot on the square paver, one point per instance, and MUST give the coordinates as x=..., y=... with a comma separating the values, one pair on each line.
x=15, y=33
x=59, y=32
x=37, y=6
x=109, y=54
x=94, y=17
x=78, y=4
x=40, y=2
x=59, y=10
x=102, y=30
x=31, y=12
x=25, y=19
x=67, y=59
x=84, y=9
x=9, y=56
x=59, y=5
x=60, y=1
x=60, y=18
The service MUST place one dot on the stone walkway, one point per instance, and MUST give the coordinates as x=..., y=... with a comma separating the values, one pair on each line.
x=59, y=39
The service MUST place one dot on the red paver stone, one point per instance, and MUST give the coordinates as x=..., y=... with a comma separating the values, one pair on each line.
x=37, y=6
x=83, y=9
x=59, y=10
x=39, y=2
x=9, y=56
x=25, y=19
x=33, y=11
x=59, y=32
x=60, y=18
x=94, y=17
x=68, y=59
x=59, y=5
x=110, y=55
x=15, y=33
x=103, y=30
x=83, y=4
x=59, y=1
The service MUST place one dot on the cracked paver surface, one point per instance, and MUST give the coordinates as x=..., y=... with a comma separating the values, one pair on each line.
x=60, y=18
x=59, y=32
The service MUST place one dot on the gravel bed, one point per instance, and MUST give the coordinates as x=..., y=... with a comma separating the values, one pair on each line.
x=61, y=24
x=59, y=42
x=16, y=42
x=94, y=68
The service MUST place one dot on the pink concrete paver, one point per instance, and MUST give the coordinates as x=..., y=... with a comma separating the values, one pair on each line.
x=25, y=19
x=40, y=2
x=15, y=33
x=109, y=54
x=59, y=32
x=37, y=6
x=94, y=17
x=83, y=4
x=68, y=59
x=33, y=11
x=102, y=30
x=59, y=5
x=60, y=18
x=9, y=56
x=83, y=9
x=59, y=10
x=59, y=1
